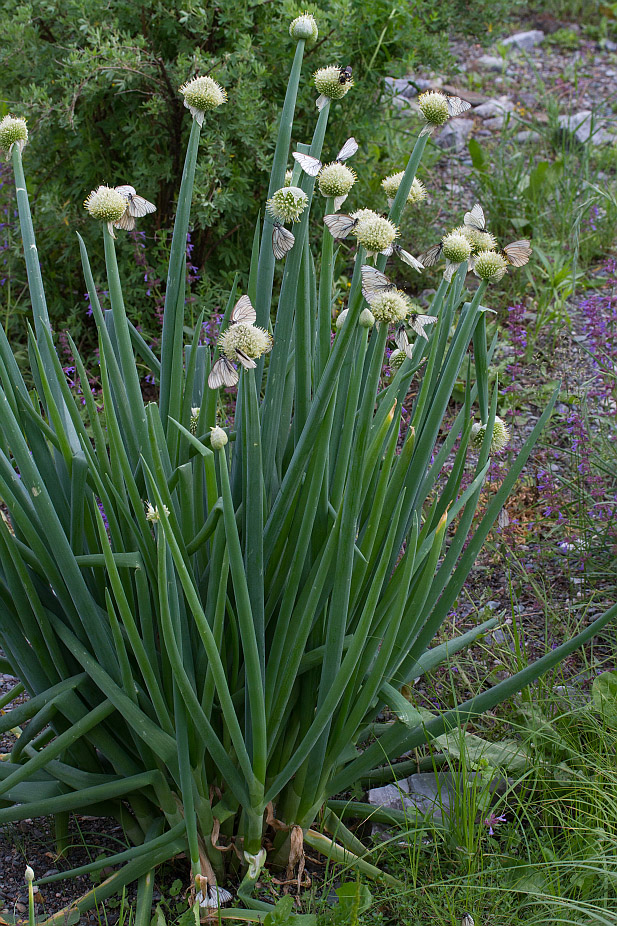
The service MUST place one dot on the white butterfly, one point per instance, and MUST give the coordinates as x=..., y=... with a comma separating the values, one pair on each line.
x=136, y=207
x=340, y=225
x=243, y=312
x=223, y=373
x=404, y=256
x=416, y=322
x=475, y=218
x=282, y=240
x=430, y=257
x=214, y=897
x=518, y=252
x=455, y=105
x=374, y=282
x=312, y=166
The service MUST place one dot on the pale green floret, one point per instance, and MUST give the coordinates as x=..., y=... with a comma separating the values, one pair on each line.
x=434, y=107
x=202, y=94
x=13, y=131
x=340, y=319
x=390, y=306
x=482, y=241
x=336, y=179
x=361, y=214
x=490, y=266
x=366, y=319
x=375, y=233
x=328, y=84
x=500, y=439
x=288, y=175
x=456, y=248
x=391, y=184
x=397, y=359
x=218, y=438
x=287, y=204
x=106, y=204
x=153, y=514
x=304, y=27
x=250, y=339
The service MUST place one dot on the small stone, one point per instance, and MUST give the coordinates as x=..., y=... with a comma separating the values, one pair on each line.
x=454, y=135
x=494, y=124
x=527, y=135
x=490, y=63
x=608, y=45
x=584, y=127
x=524, y=40
x=498, y=106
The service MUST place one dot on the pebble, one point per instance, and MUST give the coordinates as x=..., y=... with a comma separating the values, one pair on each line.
x=495, y=123
x=524, y=40
x=454, y=135
x=526, y=135
x=585, y=126
x=495, y=107
x=490, y=63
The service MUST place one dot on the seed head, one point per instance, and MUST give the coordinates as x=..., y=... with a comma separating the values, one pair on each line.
x=391, y=184
x=397, y=359
x=340, y=318
x=366, y=319
x=390, y=306
x=336, y=179
x=327, y=82
x=501, y=435
x=490, y=266
x=287, y=204
x=201, y=95
x=304, y=27
x=434, y=107
x=13, y=131
x=456, y=248
x=106, y=204
x=374, y=232
x=153, y=513
x=218, y=438
x=249, y=339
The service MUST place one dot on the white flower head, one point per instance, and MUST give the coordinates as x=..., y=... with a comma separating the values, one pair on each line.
x=250, y=340
x=490, y=266
x=287, y=204
x=201, y=95
x=153, y=514
x=331, y=84
x=13, y=131
x=106, y=204
x=390, y=306
x=374, y=232
x=500, y=439
x=391, y=184
x=336, y=179
x=304, y=27
x=456, y=248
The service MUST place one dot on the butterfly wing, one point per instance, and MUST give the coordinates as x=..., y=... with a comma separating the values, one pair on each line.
x=456, y=106
x=400, y=338
x=339, y=225
x=518, y=252
x=475, y=218
x=243, y=311
x=223, y=373
x=417, y=323
x=348, y=150
x=126, y=222
x=309, y=165
x=138, y=206
x=430, y=257
x=126, y=190
x=245, y=360
x=409, y=259
x=282, y=241
x=374, y=282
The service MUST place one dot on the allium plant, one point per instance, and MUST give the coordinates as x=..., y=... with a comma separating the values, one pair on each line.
x=208, y=620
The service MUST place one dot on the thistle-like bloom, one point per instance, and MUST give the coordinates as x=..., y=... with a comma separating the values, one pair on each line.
x=106, y=204
x=287, y=204
x=490, y=266
x=218, y=438
x=397, y=359
x=304, y=27
x=251, y=340
x=456, y=248
x=434, y=107
x=13, y=131
x=153, y=513
x=374, y=232
x=391, y=306
x=336, y=179
x=194, y=420
x=366, y=319
x=391, y=184
x=201, y=95
x=500, y=439
x=330, y=85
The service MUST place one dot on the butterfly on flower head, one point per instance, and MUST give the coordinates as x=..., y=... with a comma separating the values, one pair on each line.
x=340, y=225
x=430, y=257
x=455, y=105
x=517, y=253
x=136, y=207
x=416, y=322
x=475, y=218
x=374, y=282
x=223, y=372
x=282, y=240
x=312, y=166
x=243, y=312
x=405, y=256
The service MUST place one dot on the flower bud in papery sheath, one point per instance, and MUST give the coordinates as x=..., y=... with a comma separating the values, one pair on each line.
x=218, y=438
x=287, y=204
x=249, y=339
x=328, y=83
x=29, y=875
x=194, y=420
x=304, y=27
x=288, y=177
x=374, y=232
x=106, y=204
x=501, y=435
x=490, y=266
x=366, y=319
x=336, y=179
x=201, y=95
x=390, y=306
x=340, y=319
x=456, y=248
x=397, y=359
x=13, y=131
x=153, y=513
x=391, y=184
x=434, y=107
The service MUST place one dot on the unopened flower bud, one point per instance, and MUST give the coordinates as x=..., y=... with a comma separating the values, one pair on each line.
x=366, y=319
x=287, y=204
x=501, y=435
x=304, y=27
x=218, y=438
x=340, y=319
x=201, y=95
x=374, y=232
x=336, y=179
x=456, y=248
x=328, y=83
x=434, y=107
x=250, y=339
x=390, y=306
x=13, y=131
x=490, y=266
x=29, y=874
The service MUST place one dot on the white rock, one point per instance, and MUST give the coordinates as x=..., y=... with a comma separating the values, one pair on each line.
x=490, y=63
x=524, y=40
x=528, y=135
x=495, y=107
x=495, y=123
x=454, y=134
x=586, y=128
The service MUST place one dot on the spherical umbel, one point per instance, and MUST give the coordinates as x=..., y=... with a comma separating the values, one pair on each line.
x=374, y=232
x=336, y=179
x=13, y=131
x=328, y=83
x=499, y=440
x=304, y=27
x=287, y=204
x=249, y=339
x=490, y=266
x=434, y=107
x=391, y=306
x=201, y=95
x=456, y=248
x=105, y=204
x=391, y=184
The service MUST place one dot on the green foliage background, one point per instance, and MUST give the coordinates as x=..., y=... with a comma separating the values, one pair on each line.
x=98, y=83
